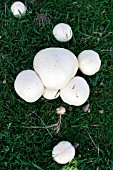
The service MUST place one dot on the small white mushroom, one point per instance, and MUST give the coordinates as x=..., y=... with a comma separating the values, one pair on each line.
x=63, y=152
x=18, y=9
x=76, y=92
x=86, y=108
x=50, y=94
x=62, y=32
x=89, y=62
x=61, y=110
x=28, y=86
x=55, y=66
x=101, y=111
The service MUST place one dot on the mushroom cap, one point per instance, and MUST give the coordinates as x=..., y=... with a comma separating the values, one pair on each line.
x=76, y=92
x=63, y=152
x=62, y=32
x=50, y=94
x=61, y=110
x=55, y=66
x=18, y=8
x=89, y=62
x=28, y=86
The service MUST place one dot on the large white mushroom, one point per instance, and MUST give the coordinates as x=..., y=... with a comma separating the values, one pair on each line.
x=55, y=66
x=63, y=152
x=76, y=92
x=50, y=94
x=89, y=62
x=62, y=32
x=28, y=86
x=18, y=9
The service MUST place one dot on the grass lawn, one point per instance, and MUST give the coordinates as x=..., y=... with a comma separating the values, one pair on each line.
x=20, y=40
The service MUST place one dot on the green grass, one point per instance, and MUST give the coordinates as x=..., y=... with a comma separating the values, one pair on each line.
x=21, y=39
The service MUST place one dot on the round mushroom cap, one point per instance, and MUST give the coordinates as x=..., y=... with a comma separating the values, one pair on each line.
x=63, y=152
x=28, y=86
x=50, y=94
x=55, y=66
x=89, y=62
x=76, y=92
x=62, y=32
x=61, y=110
x=18, y=8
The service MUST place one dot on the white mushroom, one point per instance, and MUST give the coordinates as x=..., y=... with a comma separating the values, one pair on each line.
x=28, y=86
x=89, y=62
x=63, y=152
x=76, y=92
x=86, y=108
x=18, y=9
x=62, y=32
x=61, y=110
x=55, y=66
x=50, y=94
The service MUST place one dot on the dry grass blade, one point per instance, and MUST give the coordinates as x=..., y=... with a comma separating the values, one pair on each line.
x=97, y=146
x=55, y=126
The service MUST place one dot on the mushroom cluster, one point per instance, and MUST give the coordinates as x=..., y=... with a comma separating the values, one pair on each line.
x=55, y=69
x=54, y=75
